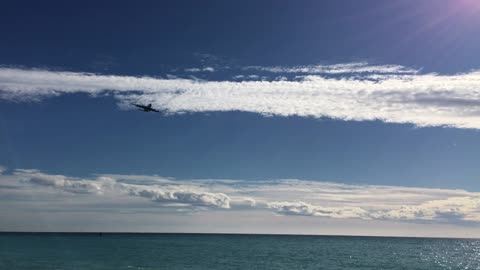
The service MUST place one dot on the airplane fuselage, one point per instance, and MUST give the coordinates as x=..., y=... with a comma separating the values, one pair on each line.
x=145, y=108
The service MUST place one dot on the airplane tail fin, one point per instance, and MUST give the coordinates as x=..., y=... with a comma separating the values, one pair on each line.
x=150, y=105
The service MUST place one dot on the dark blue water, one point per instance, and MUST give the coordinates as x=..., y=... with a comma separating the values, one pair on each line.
x=194, y=251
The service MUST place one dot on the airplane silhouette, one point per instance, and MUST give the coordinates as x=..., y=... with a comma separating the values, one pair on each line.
x=144, y=108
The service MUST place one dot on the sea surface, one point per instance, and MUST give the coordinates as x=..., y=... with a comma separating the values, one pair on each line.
x=217, y=251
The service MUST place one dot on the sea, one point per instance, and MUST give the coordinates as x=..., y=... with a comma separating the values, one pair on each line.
x=229, y=251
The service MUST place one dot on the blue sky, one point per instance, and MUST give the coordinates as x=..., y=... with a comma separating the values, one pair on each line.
x=365, y=94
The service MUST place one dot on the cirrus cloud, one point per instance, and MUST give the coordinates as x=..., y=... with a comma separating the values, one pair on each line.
x=394, y=96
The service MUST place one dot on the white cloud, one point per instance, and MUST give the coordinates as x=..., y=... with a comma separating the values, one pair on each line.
x=284, y=197
x=61, y=182
x=205, y=69
x=461, y=208
x=420, y=99
x=355, y=67
x=166, y=194
x=305, y=209
x=193, y=70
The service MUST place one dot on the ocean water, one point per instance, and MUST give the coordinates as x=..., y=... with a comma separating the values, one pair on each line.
x=208, y=251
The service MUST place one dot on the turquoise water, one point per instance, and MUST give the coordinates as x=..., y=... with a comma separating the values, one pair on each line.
x=196, y=251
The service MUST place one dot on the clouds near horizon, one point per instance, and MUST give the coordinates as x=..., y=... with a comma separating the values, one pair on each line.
x=284, y=197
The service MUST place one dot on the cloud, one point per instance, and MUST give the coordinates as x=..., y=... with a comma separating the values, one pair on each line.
x=191, y=197
x=336, y=200
x=290, y=197
x=204, y=69
x=163, y=194
x=461, y=208
x=355, y=67
x=61, y=182
x=305, y=209
x=420, y=99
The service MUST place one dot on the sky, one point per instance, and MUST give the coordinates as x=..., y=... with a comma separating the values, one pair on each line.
x=297, y=117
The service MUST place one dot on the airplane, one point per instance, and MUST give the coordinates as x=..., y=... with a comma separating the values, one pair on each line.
x=144, y=108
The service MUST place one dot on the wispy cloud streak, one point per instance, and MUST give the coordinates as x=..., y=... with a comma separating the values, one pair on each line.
x=355, y=67
x=204, y=69
x=420, y=99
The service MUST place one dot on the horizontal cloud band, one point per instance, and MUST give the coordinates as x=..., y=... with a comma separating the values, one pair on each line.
x=319, y=199
x=420, y=99
x=106, y=184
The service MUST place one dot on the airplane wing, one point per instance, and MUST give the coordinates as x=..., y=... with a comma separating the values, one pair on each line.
x=153, y=110
x=141, y=107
